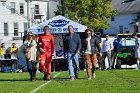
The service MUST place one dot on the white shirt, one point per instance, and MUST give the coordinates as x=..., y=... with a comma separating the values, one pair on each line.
x=88, y=50
x=107, y=46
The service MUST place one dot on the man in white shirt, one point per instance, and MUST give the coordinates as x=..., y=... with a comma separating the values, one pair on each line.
x=137, y=50
x=107, y=47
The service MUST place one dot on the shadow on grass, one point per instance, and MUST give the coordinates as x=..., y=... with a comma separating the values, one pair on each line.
x=65, y=78
x=26, y=79
x=12, y=80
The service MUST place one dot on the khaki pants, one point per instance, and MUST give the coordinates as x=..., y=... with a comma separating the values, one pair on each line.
x=90, y=58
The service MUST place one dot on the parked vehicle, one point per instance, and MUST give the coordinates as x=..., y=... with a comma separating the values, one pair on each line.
x=126, y=50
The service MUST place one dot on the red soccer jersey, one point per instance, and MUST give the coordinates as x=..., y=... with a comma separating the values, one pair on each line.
x=47, y=43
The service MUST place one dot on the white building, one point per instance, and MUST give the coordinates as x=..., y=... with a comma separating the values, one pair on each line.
x=127, y=19
x=14, y=20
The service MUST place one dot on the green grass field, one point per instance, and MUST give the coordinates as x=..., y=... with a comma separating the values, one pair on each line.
x=108, y=81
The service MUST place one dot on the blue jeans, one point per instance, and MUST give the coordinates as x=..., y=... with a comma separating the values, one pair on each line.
x=73, y=63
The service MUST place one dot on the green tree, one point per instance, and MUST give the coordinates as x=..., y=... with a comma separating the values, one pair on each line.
x=92, y=13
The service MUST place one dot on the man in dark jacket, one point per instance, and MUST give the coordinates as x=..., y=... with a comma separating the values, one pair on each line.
x=72, y=46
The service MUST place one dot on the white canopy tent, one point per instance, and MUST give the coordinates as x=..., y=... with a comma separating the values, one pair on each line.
x=58, y=27
x=35, y=29
x=58, y=24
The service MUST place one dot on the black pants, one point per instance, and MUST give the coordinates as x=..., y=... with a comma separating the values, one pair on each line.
x=113, y=58
x=108, y=55
x=100, y=61
x=31, y=66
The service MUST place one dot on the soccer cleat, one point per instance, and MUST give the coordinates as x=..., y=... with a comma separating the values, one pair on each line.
x=48, y=77
x=85, y=70
x=44, y=78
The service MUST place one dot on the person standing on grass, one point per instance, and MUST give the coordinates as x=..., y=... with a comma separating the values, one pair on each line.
x=90, y=46
x=30, y=50
x=46, y=47
x=2, y=50
x=38, y=53
x=99, y=57
x=116, y=44
x=14, y=51
x=137, y=50
x=107, y=47
x=72, y=46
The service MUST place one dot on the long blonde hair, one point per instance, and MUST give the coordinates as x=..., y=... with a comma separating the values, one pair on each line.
x=28, y=35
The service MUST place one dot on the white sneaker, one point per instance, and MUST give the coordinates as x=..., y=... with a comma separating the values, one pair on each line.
x=38, y=71
x=136, y=68
x=89, y=78
x=94, y=75
x=20, y=70
x=72, y=78
x=85, y=70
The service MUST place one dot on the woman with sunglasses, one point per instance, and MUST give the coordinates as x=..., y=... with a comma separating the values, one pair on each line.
x=90, y=45
x=30, y=51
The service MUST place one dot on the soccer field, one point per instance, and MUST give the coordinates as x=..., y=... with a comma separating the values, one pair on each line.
x=107, y=81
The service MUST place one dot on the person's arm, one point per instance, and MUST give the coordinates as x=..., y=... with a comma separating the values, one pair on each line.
x=111, y=46
x=65, y=45
x=52, y=44
x=98, y=45
x=39, y=41
x=79, y=44
x=103, y=46
x=40, y=46
x=83, y=45
x=138, y=43
x=53, y=47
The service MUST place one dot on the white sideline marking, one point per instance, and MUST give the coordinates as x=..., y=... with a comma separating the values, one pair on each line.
x=39, y=87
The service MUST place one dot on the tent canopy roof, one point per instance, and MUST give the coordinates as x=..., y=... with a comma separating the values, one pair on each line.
x=58, y=24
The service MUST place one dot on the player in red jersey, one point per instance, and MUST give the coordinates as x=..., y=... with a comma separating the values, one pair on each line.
x=46, y=48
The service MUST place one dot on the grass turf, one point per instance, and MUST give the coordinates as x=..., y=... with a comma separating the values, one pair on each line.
x=107, y=81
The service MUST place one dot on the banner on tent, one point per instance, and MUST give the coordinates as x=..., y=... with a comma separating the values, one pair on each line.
x=61, y=30
x=58, y=24
x=58, y=30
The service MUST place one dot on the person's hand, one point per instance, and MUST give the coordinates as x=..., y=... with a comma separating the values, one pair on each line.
x=52, y=60
x=77, y=52
x=100, y=54
x=82, y=52
x=40, y=43
x=54, y=54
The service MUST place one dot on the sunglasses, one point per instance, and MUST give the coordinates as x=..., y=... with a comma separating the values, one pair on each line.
x=30, y=35
x=88, y=33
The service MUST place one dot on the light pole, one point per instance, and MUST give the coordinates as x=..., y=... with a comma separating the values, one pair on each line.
x=48, y=16
x=63, y=7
